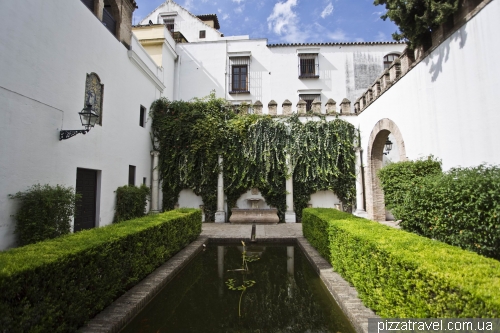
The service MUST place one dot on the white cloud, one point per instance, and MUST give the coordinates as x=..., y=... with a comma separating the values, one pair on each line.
x=239, y=9
x=225, y=17
x=219, y=10
x=188, y=4
x=327, y=11
x=338, y=36
x=238, y=1
x=282, y=19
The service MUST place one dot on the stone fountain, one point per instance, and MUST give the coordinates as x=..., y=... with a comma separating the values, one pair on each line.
x=254, y=214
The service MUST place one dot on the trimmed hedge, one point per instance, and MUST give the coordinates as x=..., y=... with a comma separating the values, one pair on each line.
x=460, y=207
x=400, y=274
x=59, y=284
x=131, y=202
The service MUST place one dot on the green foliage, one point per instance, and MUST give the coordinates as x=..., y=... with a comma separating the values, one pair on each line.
x=398, y=178
x=131, y=202
x=460, y=207
x=417, y=18
x=190, y=136
x=400, y=274
x=57, y=285
x=45, y=212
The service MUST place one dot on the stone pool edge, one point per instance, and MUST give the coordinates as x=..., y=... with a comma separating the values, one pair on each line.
x=114, y=317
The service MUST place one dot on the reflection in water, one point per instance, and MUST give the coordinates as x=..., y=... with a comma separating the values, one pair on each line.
x=288, y=296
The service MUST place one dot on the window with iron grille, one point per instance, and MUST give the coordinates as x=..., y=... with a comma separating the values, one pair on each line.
x=239, y=81
x=169, y=24
x=308, y=65
x=309, y=98
x=388, y=59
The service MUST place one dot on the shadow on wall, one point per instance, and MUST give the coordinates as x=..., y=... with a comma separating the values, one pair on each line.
x=202, y=77
x=443, y=52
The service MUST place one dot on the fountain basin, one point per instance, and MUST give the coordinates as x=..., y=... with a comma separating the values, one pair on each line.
x=254, y=215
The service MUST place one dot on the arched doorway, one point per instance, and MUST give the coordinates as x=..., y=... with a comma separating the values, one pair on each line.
x=375, y=206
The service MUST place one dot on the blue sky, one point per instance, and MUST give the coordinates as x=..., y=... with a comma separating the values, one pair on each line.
x=291, y=21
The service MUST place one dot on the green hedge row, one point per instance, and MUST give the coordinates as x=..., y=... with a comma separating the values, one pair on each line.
x=400, y=274
x=460, y=207
x=59, y=284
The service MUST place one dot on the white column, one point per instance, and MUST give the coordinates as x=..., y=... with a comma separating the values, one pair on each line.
x=290, y=213
x=290, y=258
x=360, y=208
x=220, y=268
x=220, y=215
x=155, y=185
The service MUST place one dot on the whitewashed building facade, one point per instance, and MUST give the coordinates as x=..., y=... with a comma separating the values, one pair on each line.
x=441, y=103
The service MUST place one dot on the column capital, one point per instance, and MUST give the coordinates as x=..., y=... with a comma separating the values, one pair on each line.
x=155, y=153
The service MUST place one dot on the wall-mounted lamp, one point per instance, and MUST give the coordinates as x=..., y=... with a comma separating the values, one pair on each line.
x=388, y=146
x=88, y=118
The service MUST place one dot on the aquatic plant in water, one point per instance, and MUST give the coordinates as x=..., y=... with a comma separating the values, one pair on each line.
x=231, y=283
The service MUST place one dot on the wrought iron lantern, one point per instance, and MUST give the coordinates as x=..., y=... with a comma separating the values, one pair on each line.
x=388, y=146
x=88, y=118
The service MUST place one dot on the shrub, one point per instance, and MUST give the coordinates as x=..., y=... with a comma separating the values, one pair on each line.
x=59, y=284
x=400, y=274
x=45, y=212
x=460, y=207
x=131, y=202
x=398, y=178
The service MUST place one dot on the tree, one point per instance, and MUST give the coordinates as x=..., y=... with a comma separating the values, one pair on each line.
x=416, y=19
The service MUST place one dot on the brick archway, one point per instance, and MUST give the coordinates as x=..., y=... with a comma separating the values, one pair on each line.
x=375, y=206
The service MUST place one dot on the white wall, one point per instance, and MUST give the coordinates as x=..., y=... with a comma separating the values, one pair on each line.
x=46, y=50
x=273, y=72
x=185, y=22
x=324, y=199
x=447, y=105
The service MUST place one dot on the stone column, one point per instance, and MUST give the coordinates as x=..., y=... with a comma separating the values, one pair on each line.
x=155, y=185
x=360, y=207
x=220, y=215
x=290, y=260
x=220, y=268
x=290, y=213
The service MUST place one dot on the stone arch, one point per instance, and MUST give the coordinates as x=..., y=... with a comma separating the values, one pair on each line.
x=375, y=205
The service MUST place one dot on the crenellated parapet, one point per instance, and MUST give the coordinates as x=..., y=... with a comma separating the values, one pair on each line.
x=302, y=109
x=410, y=58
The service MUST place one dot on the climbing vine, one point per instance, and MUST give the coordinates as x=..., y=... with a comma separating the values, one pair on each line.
x=255, y=148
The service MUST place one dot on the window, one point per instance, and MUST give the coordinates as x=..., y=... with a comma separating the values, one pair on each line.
x=89, y=4
x=309, y=98
x=144, y=179
x=142, y=116
x=169, y=24
x=308, y=65
x=202, y=33
x=131, y=175
x=239, y=75
x=388, y=59
x=108, y=18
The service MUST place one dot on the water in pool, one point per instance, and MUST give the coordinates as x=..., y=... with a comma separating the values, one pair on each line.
x=256, y=288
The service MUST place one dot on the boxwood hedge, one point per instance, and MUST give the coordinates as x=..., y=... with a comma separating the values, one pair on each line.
x=460, y=207
x=59, y=284
x=399, y=274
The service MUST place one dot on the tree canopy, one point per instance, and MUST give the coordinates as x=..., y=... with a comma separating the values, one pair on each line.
x=417, y=18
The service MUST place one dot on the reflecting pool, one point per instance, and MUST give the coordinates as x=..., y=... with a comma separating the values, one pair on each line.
x=232, y=288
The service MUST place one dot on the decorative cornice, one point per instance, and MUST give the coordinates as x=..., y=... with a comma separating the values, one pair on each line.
x=145, y=69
